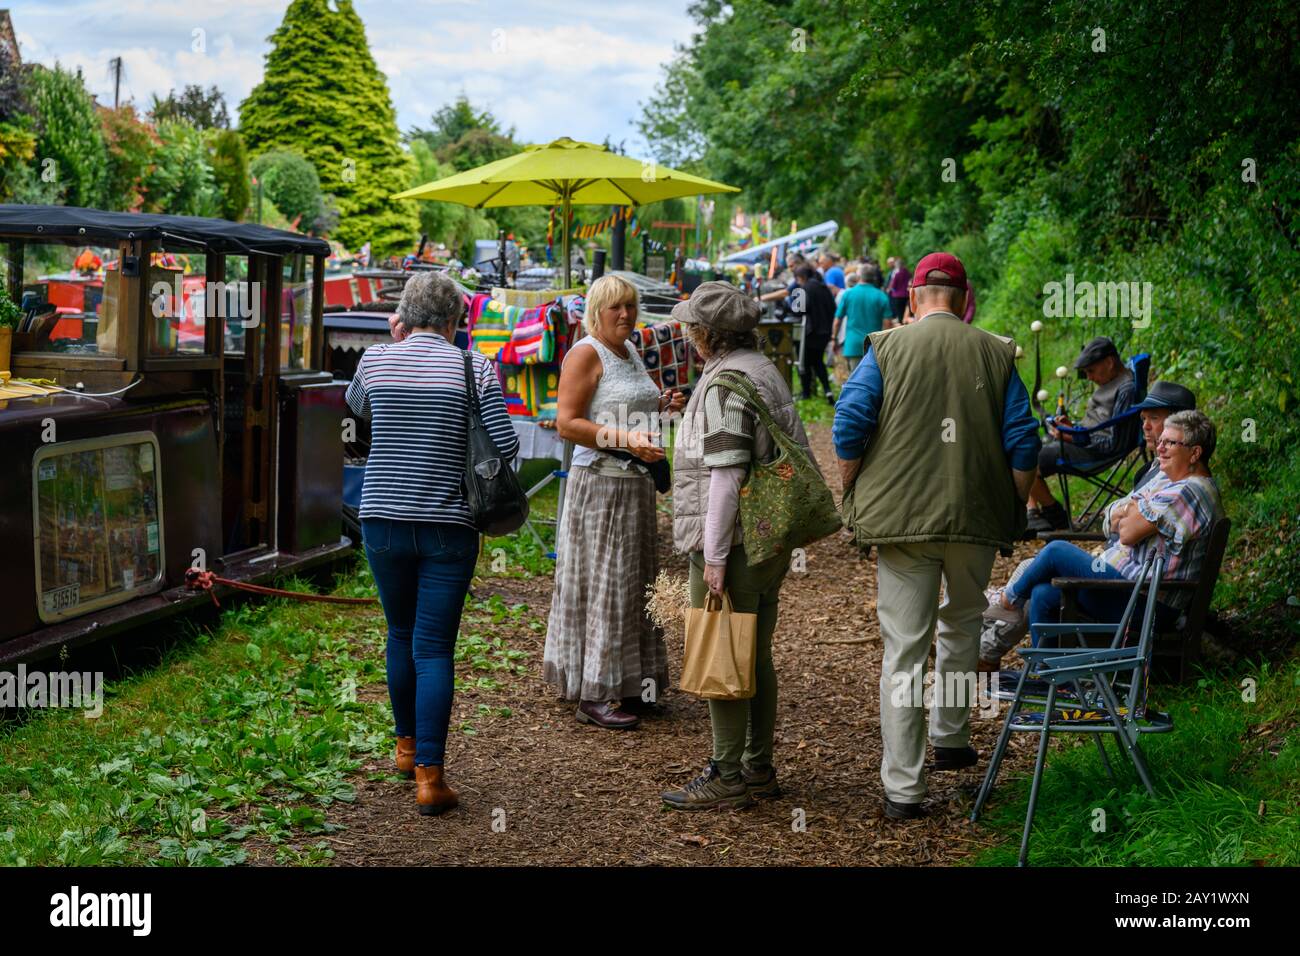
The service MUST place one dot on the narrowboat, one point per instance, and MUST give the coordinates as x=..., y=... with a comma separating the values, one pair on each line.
x=191, y=421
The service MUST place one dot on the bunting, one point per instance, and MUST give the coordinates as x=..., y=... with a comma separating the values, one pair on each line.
x=623, y=213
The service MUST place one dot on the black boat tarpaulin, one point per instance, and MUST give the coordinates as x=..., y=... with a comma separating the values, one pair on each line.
x=98, y=226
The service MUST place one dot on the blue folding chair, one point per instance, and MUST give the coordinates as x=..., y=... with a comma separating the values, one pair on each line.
x=1111, y=476
x=1078, y=690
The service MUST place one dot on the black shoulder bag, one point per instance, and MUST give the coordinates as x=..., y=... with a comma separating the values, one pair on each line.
x=497, y=503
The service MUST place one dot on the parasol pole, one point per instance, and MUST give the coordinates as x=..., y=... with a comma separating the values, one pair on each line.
x=567, y=260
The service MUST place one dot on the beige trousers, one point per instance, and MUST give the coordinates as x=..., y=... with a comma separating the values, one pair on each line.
x=909, y=576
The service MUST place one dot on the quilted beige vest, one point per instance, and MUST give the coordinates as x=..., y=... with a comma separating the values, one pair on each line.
x=690, y=474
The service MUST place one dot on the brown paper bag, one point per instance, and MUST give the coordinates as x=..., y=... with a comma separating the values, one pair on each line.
x=721, y=645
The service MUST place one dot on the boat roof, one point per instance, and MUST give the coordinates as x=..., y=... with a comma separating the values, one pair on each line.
x=96, y=225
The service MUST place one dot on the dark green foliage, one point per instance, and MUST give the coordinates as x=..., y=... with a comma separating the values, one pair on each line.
x=180, y=181
x=70, y=151
x=1025, y=140
x=291, y=183
x=323, y=97
x=10, y=314
x=202, y=110
x=229, y=161
x=461, y=137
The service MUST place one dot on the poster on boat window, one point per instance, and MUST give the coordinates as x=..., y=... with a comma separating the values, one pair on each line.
x=98, y=523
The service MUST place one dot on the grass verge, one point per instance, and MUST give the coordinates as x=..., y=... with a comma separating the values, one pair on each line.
x=233, y=748
x=1226, y=792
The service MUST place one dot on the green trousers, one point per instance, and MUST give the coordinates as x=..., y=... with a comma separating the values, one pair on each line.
x=743, y=729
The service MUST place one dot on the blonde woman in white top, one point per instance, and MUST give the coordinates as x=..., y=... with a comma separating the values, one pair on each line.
x=601, y=647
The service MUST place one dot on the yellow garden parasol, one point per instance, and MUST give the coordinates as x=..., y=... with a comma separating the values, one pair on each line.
x=569, y=173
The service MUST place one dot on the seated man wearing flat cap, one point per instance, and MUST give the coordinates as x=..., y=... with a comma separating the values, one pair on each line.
x=1099, y=362
x=1163, y=399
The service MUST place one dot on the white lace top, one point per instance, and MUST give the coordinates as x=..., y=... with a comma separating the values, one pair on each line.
x=626, y=397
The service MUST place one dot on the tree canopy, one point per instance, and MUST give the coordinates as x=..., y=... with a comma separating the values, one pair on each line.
x=322, y=96
x=1113, y=141
x=201, y=109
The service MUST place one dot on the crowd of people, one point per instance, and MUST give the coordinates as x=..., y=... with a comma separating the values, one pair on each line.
x=933, y=409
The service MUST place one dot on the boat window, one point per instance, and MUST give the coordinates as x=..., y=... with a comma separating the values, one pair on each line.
x=99, y=523
x=177, y=288
x=70, y=297
x=238, y=300
x=295, y=312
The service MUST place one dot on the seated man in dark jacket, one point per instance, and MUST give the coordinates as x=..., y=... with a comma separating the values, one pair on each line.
x=1100, y=363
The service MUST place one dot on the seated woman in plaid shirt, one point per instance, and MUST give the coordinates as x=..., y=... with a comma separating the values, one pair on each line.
x=1179, y=506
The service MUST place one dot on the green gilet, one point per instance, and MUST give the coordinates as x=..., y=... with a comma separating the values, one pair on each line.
x=934, y=469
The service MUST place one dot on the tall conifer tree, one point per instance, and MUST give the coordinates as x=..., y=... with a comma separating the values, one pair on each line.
x=323, y=97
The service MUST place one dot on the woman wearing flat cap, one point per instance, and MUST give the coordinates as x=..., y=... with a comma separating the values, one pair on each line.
x=718, y=439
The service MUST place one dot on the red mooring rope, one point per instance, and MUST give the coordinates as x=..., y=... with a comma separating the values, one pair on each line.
x=204, y=580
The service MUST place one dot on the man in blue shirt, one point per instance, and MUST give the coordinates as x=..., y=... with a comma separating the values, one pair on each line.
x=862, y=310
x=831, y=272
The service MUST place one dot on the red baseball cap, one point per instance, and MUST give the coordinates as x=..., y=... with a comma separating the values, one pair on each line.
x=942, y=262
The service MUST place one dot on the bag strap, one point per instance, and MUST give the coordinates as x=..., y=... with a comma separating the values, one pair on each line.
x=745, y=389
x=471, y=390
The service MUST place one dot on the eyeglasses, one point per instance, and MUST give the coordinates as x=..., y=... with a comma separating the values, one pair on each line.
x=1162, y=442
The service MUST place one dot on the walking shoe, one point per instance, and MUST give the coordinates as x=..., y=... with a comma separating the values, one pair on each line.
x=830, y=398
x=1054, y=517
x=432, y=795
x=1036, y=523
x=902, y=811
x=604, y=713
x=761, y=786
x=709, y=790
x=954, y=758
x=405, y=757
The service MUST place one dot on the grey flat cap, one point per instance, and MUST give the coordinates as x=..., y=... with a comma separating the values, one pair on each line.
x=719, y=305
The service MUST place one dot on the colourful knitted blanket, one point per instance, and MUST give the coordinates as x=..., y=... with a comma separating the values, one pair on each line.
x=665, y=351
x=516, y=335
x=530, y=390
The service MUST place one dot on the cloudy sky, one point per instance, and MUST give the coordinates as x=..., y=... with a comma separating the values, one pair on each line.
x=549, y=68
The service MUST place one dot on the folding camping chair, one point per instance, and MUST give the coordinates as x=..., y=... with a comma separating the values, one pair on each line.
x=1111, y=476
x=1078, y=691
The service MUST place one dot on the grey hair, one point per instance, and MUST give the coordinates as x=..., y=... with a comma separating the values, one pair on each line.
x=946, y=294
x=1197, y=430
x=852, y=279
x=431, y=300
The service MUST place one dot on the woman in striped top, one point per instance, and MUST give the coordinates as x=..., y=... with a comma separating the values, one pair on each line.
x=419, y=538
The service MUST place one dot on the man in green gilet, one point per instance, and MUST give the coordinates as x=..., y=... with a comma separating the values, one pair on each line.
x=938, y=449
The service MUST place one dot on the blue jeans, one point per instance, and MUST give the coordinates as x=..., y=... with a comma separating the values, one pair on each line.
x=1061, y=559
x=423, y=571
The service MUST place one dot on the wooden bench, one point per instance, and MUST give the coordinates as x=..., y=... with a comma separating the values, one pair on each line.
x=1181, y=645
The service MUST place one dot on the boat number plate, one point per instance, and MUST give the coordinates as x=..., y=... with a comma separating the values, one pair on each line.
x=60, y=599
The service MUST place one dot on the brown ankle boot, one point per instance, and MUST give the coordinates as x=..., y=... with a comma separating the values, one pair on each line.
x=405, y=756
x=431, y=793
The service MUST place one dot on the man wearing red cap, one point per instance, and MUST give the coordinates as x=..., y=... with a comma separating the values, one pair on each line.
x=938, y=449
